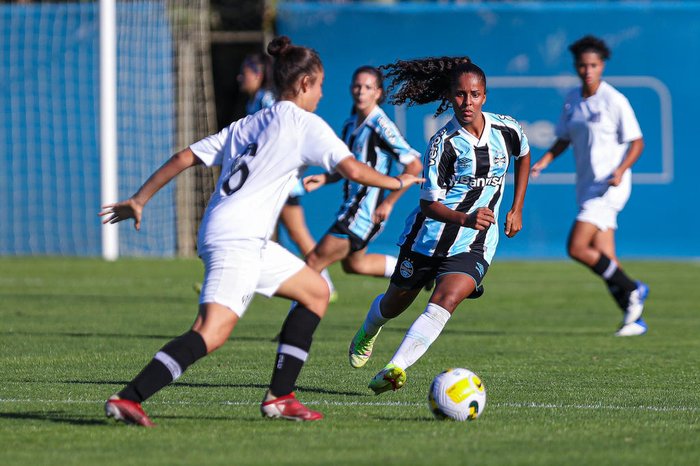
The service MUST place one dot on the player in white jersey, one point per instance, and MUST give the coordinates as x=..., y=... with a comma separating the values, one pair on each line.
x=376, y=141
x=451, y=237
x=255, y=81
x=600, y=125
x=262, y=157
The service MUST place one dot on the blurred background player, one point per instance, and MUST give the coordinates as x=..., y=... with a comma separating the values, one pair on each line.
x=255, y=81
x=375, y=141
x=450, y=237
x=600, y=124
x=262, y=156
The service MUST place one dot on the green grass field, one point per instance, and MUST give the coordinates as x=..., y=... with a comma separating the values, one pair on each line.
x=561, y=389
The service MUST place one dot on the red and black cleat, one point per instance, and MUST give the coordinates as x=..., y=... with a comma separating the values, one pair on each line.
x=127, y=411
x=288, y=407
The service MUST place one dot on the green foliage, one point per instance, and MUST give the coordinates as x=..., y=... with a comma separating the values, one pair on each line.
x=561, y=389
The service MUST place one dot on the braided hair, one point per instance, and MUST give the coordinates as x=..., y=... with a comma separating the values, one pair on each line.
x=426, y=80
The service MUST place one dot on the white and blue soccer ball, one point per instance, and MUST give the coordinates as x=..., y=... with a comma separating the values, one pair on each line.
x=457, y=394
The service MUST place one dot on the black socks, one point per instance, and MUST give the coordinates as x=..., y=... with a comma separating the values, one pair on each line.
x=166, y=366
x=613, y=275
x=295, y=342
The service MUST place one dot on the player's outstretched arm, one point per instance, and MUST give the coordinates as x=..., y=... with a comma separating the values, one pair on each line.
x=514, y=218
x=358, y=172
x=133, y=207
x=383, y=210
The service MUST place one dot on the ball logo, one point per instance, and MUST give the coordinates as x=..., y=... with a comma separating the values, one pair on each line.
x=406, y=269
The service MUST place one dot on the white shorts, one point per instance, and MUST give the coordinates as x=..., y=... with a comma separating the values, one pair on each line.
x=233, y=275
x=599, y=212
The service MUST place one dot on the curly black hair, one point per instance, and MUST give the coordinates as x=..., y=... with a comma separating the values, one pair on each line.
x=590, y=43
x=426, y=80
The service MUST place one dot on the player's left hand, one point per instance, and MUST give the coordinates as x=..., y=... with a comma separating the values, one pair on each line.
x=382, y=212
x=514, y=223
x=123, y=210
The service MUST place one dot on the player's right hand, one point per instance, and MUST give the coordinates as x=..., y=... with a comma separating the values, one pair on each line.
x=123, y=210
x=537, y=168
x=480, y=219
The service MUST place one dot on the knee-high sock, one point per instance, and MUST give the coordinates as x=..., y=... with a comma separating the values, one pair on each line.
x=166, y=366
x=390, y=265
x=293, y=350
x=422, y=333
x=613, y=275
x=375, y=320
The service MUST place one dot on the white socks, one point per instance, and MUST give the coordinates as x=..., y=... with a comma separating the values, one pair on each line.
x=424, y=331
x=374, y=320
x=390, y=265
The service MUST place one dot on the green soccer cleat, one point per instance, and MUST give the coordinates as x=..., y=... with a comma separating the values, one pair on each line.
x=390, y=378
x=361, y=348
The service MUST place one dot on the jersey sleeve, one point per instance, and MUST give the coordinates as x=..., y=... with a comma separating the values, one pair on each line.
x=210, y=150
x=628, y=127
x=396, y=144
x=432, y=189
x=320, y=146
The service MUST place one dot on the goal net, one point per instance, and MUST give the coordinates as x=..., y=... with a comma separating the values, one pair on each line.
x=49, y=130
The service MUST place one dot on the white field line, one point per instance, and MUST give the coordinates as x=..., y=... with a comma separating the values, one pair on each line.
x=553, y=406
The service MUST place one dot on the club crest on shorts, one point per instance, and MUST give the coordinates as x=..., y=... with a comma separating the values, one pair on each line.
x=406, y=269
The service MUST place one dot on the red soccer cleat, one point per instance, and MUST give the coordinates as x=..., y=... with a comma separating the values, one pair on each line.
x=127, y=411
x=288, y=407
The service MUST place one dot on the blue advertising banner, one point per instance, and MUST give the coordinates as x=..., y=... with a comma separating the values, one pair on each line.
x=523, y=48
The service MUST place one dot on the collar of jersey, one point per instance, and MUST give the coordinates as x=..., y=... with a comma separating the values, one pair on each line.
x=470, y=137
x=364, y=122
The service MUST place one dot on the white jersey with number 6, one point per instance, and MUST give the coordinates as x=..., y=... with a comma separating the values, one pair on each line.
x=262, y=157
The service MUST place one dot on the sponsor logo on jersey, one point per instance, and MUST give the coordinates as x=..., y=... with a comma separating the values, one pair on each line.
x=464, y=162
x=435, y=145
x=480, y=182
x=406, y=269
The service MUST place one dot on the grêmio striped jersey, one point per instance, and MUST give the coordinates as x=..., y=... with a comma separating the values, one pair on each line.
x=464, y=173
x=378, y=143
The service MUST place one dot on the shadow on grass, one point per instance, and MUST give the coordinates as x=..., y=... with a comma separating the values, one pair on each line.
x=165, y=338
x=54, y=416
x=259, y=386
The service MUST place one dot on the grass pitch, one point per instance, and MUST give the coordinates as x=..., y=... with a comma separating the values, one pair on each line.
x=561, y=389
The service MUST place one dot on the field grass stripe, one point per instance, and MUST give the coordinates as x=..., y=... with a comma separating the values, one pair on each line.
x=552, y=406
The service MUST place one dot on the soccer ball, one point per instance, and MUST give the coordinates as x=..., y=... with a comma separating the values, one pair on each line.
x=457, y=394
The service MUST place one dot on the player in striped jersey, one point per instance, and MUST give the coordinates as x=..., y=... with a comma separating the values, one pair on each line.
x=452, y=236
x=375, y=141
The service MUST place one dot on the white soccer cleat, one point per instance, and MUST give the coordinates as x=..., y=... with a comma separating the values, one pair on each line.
x=635, y=303
x=639, y=327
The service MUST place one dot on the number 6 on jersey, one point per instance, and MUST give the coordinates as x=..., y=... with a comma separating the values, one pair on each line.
x=239, y=171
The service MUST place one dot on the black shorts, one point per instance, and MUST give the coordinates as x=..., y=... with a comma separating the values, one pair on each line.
x=340, y=230
x=415, y=270
x=293, y=200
